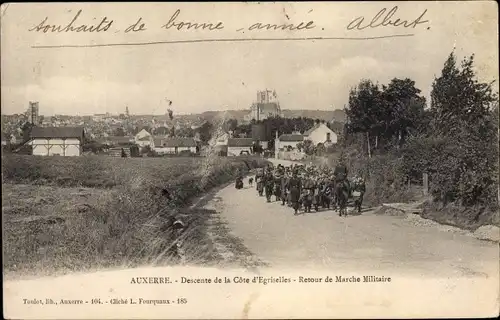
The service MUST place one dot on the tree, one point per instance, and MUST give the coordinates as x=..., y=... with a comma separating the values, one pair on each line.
x=364, y=111
x=465, y=129
x=161, y=131
x=185, y=132
x=309, y=148
x=458, y=95
x=119, y=132
x=300, y=146
x=387, y=114
x=205, y=131
x=26, y=130
x=230, y=124
x=402, y=110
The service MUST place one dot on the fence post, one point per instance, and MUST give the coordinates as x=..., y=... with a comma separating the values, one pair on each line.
x=426, y=183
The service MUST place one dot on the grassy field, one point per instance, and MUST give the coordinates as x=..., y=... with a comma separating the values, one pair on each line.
x=67, y=214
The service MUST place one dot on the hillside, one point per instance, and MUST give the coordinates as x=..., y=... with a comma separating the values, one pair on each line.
x=338, y=115
x=239, y=115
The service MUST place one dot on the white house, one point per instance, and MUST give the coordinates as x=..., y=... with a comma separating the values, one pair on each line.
x=320, y=133
x=62, y=141
x=239, y=146
x=175, y=145
x=222, y=139
x=144, y=138
x=286, y=141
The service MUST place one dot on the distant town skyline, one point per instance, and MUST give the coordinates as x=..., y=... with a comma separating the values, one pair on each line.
x=199, y=77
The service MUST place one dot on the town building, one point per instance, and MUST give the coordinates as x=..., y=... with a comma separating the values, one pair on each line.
x=51, y=141
x=266, y=106
x=33, y=112
x=222, y=139
x=320, y=133
x=144, y=138
x=239, y=146
x=117, y=140
x=288, y=141
x=174, y=145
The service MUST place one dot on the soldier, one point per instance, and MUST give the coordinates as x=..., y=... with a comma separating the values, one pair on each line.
x=329, y=192
x=359, y=189
x=307, y=194
x=318, y=193
x=259, y=179
x=295, y=187
x=340, y=179
x=268, y=184
x=278, y=184
x=284, y=188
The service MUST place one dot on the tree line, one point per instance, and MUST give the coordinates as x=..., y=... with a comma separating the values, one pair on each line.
x=454, y=138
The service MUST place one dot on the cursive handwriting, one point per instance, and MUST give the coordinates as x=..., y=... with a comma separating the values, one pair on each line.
x=136, y=27
x=179, y=25
x=378, y=21
x=290, y=26
x=103, y=26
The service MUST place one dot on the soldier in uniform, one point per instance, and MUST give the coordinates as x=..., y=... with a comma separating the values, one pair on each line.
x=284, y=188
x=329, y=192
x=307, y=194
x=340, y=179
x=278, y=175
x=359, y=189
x=268, y=183
x=295, y=187
x=259, y=179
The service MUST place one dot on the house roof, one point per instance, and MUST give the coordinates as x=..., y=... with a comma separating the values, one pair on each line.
x=239, y=142
x=175, y=142
x=117, y=139
x=143, y=132
x=308, y=132
x=316, y=126
x=145, y=138
x=291, y=137
x=57, y=132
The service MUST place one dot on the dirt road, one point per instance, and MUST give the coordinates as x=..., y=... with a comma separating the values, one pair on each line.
x=363, y=242
x=426, y=265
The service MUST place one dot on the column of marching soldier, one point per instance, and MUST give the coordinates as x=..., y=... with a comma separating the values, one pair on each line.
x=305, y=187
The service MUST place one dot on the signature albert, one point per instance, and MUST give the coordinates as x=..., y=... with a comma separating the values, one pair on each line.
x=384, y=19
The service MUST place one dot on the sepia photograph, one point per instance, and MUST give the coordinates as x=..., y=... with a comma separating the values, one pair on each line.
x=250, y=160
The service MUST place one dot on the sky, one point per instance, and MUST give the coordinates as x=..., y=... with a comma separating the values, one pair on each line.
x=198, y=77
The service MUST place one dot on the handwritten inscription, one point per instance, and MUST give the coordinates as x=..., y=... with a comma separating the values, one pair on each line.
x=383, y=19
x=72, y=26
x=172, y=23
x=290, y=26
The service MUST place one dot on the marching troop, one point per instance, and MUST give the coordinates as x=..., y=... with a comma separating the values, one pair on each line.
x=305, y=187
